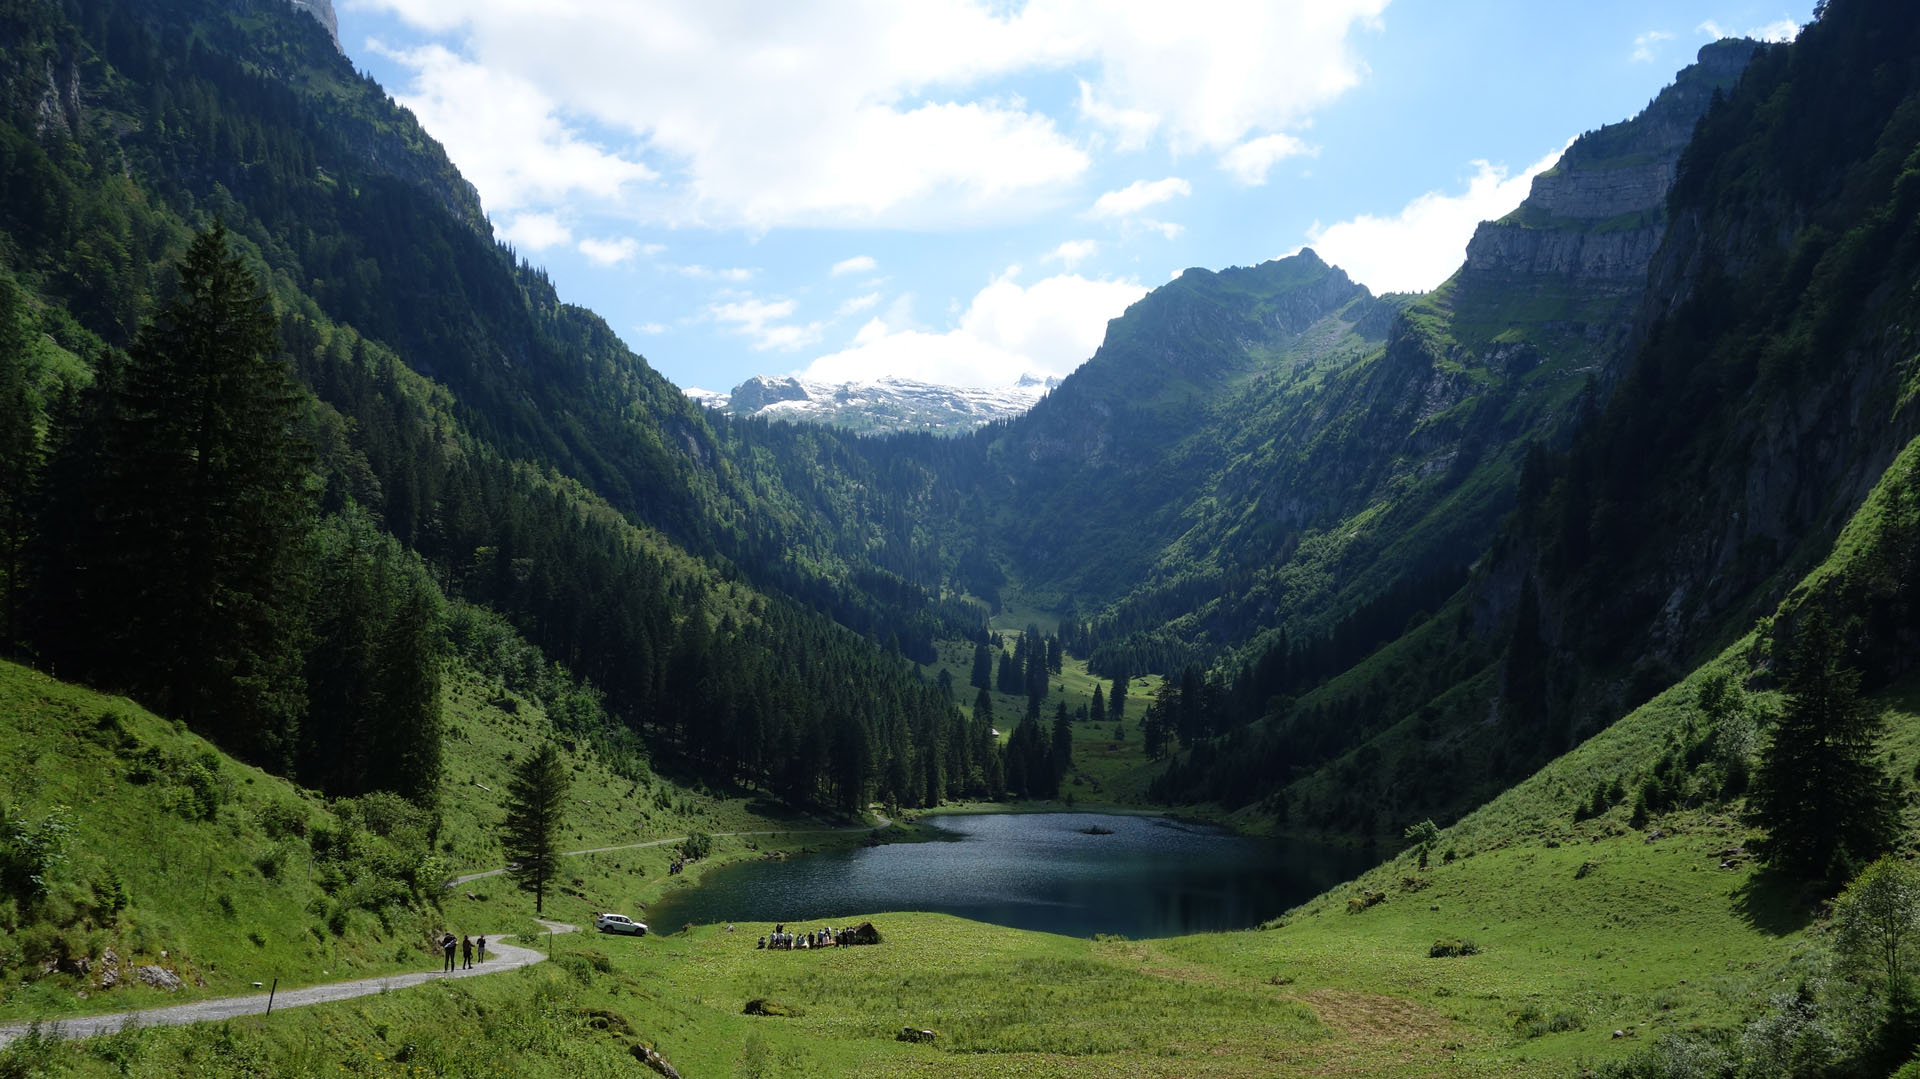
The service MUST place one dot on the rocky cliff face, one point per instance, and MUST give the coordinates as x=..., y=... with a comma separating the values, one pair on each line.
x=1591, y=224
x=323, y=11
x=1768, y=385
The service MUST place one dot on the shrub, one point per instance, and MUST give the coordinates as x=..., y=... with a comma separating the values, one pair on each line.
x=763, y=1006
x=1449, y=947
x=1366, y=898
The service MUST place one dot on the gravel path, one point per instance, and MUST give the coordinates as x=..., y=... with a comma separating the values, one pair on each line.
x=503, y=957
x=499, y=957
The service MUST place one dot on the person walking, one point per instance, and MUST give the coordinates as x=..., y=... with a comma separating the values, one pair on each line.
x=447, y=944
x=481, y=945
x=466, y=953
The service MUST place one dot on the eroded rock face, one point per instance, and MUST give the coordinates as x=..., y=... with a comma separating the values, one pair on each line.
x=160, y=978
x=760, y=391
x=1595, y=219
x=323, y=11
x=109, y=969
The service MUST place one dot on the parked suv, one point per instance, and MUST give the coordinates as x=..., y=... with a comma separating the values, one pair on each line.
x=619, y=923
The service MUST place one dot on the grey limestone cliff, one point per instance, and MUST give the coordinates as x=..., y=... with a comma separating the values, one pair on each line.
x=1591, y=224
x=323, y=11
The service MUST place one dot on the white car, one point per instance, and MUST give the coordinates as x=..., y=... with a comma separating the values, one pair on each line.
x=619, y=923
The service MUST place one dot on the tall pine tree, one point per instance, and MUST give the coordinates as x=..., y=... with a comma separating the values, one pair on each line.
x=530, y=835
x=203, y=510
x=1826, y=805
x=19, y=463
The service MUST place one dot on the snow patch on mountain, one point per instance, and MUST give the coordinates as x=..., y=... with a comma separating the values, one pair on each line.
x=879, y=405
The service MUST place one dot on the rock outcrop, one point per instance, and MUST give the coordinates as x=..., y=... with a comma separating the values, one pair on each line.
x=1591, y=224
x=323, y=11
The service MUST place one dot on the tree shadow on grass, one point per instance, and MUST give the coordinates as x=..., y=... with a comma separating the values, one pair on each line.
x=1774, y=902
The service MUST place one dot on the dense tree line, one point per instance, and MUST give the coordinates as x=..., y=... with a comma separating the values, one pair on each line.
x=515, y=486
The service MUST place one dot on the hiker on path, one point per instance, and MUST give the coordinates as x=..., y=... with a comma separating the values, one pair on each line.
x=447, y=944
x=466, y=953
x=483, y=949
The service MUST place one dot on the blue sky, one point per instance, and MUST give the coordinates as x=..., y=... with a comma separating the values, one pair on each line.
x=964, y=192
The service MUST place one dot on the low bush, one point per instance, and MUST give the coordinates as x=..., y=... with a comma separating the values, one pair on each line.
x=1449, y=947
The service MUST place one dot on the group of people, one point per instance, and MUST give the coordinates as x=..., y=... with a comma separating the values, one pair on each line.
x=466, y=946
x=818, y=938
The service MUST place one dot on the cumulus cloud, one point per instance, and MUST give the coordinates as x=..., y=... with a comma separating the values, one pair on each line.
x=1007, y=330
x=506, y=133
x=535, y=232
x=1643, y=45
x=1779, y=30
x=735, y=274
x=1073, y=252
x=764, y=321
x=766, y=115
x=858, y=304
x=610, y=252
x=1426, y=241
x=1139, y=195
x=1249, y=161
x=1130, y=128
x=856, y=264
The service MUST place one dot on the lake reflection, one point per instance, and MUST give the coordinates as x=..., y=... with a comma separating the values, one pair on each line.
x=1150, y=878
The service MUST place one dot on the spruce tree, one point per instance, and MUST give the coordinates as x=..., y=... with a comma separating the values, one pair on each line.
x=1825, y=803
x=1061, y=751
x=205, y=505
x=19, y=463
x=530, y=834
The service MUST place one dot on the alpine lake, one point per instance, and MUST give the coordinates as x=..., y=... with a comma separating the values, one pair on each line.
x=1075, y=874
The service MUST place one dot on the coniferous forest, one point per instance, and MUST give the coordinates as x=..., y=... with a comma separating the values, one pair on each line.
x=294, y=452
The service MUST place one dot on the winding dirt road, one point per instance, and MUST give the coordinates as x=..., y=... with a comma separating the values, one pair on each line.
x=501, y=957
x=504, y=957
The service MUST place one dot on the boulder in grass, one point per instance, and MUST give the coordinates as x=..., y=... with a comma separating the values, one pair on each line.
x=864, y=933
x=160, y=978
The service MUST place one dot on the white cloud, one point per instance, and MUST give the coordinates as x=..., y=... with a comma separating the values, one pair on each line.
x=856, y=264
x=869, y=112
x=535, y=232
x=1073, y=252
x=1643, y=45
x=1008, y=330
x=610, y=252
x=1139, y=195
x=506, y=134
x=651, y=328
x=1206, y=76
x=1779, y=30
x=1249, y=161
x=858, y=304
x=1132, y=128
x=764, y=321
x=735, y=274
x=1424, y=243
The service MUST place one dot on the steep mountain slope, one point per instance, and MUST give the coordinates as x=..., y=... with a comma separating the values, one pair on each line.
x=1768, y=392
x=520, y=455
x=1273, y=448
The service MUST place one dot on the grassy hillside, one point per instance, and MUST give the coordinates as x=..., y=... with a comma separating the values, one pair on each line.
x=179, y=857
